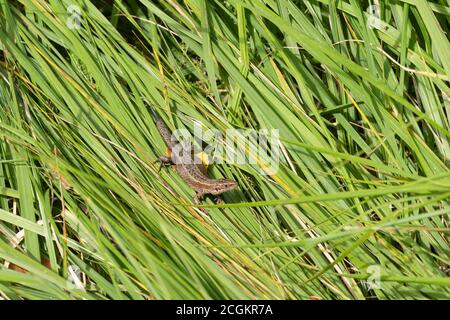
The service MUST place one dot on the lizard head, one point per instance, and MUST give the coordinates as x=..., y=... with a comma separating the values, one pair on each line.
x=227, y=184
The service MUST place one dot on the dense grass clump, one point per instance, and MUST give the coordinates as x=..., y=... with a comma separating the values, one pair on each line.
x=358, y=207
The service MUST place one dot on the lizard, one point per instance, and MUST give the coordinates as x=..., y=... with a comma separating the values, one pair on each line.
x=192, y=172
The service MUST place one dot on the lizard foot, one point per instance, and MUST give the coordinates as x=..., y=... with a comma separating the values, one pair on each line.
x=219, y=200
x=198, y=198
x=163, y=161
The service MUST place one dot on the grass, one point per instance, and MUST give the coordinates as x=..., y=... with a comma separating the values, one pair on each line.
x=358, y=209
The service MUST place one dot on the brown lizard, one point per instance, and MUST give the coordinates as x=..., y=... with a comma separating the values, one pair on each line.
x=192, y=172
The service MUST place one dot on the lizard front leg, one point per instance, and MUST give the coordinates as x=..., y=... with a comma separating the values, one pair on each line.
x=198, y=197
x=164, y=161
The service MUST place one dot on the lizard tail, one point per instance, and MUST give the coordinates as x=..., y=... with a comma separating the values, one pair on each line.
x=162, y=128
